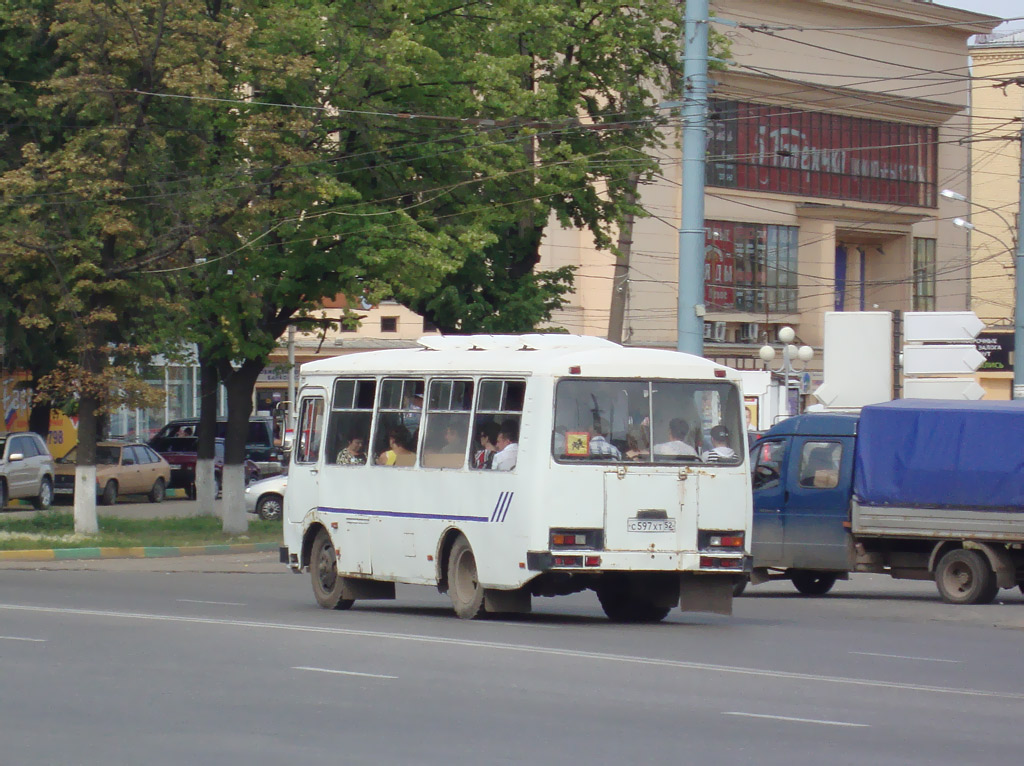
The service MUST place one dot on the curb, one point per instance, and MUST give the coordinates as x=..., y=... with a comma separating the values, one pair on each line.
x=64, y=554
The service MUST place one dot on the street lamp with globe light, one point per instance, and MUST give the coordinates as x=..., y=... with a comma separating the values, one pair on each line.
x=789, y=352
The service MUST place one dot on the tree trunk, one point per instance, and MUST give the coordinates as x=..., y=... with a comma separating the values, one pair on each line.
x=206, y=433
x=39, y=419
x=620, y=282
x=240, y=384
x=85, y=471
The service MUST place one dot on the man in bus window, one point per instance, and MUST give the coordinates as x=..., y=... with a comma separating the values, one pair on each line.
x=720, y=449
x=599, y=444
x=678, y=430
x=508, y=447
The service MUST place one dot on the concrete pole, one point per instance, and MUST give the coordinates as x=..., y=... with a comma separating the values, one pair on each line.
x=290, y=408
x=690, y=306
x=1018, y=302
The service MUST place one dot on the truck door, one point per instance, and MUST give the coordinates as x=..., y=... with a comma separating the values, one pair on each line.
x=818, y=480
x=768, y=467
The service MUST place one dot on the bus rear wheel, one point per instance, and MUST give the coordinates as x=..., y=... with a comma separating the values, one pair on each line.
x=464, y=587
x=622, y=605
x=323, y=571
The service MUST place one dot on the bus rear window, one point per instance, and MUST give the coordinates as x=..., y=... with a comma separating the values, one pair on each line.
x=653, y=421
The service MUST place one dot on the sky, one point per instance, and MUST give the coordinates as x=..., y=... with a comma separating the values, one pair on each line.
x=1002, y=8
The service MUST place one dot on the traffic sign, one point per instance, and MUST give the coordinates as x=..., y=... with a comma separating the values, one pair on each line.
x=942, y=388
x=941, y=359
x=933, y=326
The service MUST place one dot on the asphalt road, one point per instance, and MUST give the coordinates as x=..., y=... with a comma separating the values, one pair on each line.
x=227, y=660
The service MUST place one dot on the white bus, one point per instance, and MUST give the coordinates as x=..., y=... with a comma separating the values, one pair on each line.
x=620, y=470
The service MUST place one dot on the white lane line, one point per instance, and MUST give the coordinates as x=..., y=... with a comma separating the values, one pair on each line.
x=216, y=603
x=800, y=720
x=20, y=638
x=904, y=657
x=343, y=672
x=624, y=659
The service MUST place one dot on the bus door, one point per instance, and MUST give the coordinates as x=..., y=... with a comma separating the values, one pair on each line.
x=303, y=492
x=643, y=509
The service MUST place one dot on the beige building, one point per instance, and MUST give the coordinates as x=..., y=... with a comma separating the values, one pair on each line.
x=833, y=130
x=996, y=110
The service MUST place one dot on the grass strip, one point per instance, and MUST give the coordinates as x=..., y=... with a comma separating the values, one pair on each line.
x=55, y=529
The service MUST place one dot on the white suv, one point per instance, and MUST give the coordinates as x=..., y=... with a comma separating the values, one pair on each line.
x=26, y=469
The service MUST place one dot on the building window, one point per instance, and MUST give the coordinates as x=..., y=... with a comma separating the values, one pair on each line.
x=815, y=154
x=750, y=267
x=924, y=274
x=389, y=324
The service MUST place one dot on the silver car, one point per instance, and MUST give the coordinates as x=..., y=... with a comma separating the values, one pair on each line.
x=265, y=497
x=26, y=469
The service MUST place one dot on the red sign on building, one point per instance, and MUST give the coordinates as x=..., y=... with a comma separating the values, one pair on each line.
x=815, y=154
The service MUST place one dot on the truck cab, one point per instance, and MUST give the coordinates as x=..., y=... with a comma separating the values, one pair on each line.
x=802, y=474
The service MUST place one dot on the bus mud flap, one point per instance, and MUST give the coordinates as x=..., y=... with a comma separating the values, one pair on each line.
x=705, y=593
x=507, y=601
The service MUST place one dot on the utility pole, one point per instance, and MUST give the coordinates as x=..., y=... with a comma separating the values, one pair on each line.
x=690, y=305
x=620, y=283
x=1018, y=300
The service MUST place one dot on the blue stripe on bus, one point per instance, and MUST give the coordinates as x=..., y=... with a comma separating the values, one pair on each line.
x=501, y=507
x=402, y=514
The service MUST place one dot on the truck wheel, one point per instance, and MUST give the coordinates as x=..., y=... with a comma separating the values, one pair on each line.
x=3, y=495
x=464, y=588
x=812, y=583
x=740, y=585
x=964, y=577
x=620, y=605
x=323, y=570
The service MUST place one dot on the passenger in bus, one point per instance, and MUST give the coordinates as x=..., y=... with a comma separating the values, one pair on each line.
x=508, y=447
x=403, y=448
x=354, y=451
x=454, y=443
x=487, y=436
x=677, y=446
x=599, y=444
x=720, y=449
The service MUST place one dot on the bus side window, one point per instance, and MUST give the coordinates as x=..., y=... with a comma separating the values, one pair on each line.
x=446, y=433
x=397, y=427
x=499, y=404
x=348, y=430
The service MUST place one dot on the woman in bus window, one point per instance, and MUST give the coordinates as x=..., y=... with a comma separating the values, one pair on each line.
x=403, y=449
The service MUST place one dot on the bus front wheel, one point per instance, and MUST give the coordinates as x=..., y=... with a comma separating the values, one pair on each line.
x=464, y=587
x=323, y=570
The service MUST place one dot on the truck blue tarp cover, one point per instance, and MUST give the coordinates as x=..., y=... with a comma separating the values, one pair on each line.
x=938, y=454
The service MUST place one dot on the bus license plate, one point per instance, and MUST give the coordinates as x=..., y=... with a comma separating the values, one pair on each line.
x=651, y=525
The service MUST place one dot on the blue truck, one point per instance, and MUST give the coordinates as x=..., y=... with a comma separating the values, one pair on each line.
x=916, y=489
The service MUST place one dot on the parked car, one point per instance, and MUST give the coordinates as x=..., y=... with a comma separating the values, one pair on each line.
x=180, y=452
x=265, y=497
x=26, y=469
x=121, y=469
x=259, y=441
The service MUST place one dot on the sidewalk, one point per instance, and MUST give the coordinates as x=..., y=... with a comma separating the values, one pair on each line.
x=229, y=563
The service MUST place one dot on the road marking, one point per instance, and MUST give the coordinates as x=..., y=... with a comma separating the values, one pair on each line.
x=800, y=720
x=904, y=657
x=624, y=659
x=20, y=638
x=343, y=672
x=217, y=603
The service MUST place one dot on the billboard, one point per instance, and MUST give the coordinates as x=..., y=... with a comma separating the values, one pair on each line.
x=768, y=148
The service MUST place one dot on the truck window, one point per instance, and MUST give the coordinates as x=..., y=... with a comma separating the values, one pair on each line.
x=767, y=464
x=819, y=464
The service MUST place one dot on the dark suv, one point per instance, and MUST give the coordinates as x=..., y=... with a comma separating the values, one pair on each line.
x=259, y=442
